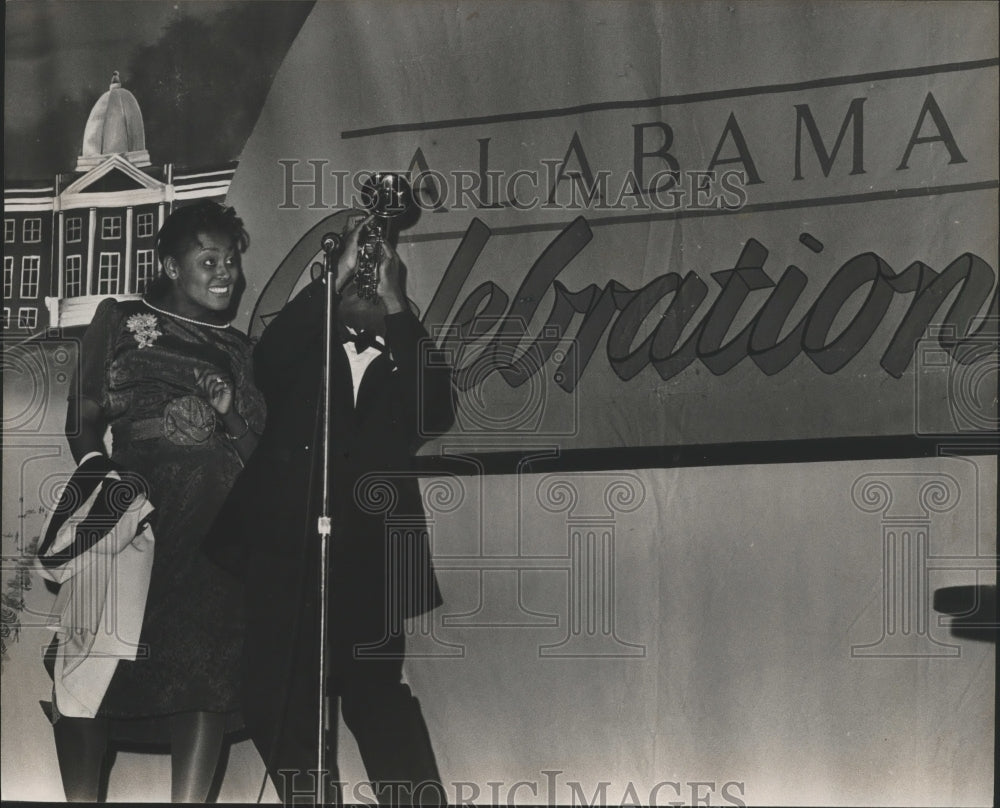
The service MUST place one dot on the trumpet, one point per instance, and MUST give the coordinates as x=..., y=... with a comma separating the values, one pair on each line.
x=386, y=196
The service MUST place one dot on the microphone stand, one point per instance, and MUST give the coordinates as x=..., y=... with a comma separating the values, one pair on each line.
x=324, y=527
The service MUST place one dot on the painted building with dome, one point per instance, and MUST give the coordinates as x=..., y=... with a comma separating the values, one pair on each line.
x=90, y=233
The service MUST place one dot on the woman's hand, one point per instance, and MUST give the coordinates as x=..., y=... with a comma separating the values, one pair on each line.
x=217, y=388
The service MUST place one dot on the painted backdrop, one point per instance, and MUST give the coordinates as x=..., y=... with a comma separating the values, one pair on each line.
x=666, y=245
x=655, y=224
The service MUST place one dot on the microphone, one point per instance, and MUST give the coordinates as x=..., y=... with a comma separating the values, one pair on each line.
x=331, y=242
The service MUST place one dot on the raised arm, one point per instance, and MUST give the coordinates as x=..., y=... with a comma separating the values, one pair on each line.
x=423, y=378
x=285, y=341
x=300, y=324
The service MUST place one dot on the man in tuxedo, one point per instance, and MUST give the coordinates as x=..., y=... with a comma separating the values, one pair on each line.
x=385, y=401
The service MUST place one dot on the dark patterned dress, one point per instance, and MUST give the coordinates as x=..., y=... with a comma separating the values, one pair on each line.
x=139, y=365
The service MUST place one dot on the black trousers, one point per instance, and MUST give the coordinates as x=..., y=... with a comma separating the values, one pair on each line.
x=385, y=718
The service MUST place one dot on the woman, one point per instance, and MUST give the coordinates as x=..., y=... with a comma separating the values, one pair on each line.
x=173, y=380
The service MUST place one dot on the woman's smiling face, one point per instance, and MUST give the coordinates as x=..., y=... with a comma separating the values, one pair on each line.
x=205, y=276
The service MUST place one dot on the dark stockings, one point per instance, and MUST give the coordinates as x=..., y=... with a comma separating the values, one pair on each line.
x=81, y=744
x=195, y=744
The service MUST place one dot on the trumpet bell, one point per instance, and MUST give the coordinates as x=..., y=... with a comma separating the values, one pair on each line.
x=386, y=194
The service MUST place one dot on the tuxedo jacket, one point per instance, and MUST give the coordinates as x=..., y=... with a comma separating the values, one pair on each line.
x=267, y=530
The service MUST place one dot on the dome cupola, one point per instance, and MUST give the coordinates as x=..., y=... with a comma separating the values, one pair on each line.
x=114, y=127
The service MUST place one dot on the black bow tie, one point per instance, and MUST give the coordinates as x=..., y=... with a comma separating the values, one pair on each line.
x=363, y=340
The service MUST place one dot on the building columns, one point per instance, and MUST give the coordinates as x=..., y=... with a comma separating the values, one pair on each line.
x=127, y=289
x=91, y=238
x=61, y=258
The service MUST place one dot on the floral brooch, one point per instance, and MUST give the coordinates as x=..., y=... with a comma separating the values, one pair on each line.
x=143, y=327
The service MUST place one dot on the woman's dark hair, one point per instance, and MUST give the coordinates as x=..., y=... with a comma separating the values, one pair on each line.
x=180, y=232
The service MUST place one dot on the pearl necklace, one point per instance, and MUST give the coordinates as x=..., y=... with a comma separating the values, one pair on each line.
x=185, y=319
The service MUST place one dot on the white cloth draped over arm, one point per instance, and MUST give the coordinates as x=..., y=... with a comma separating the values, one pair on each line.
x=98, y=545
